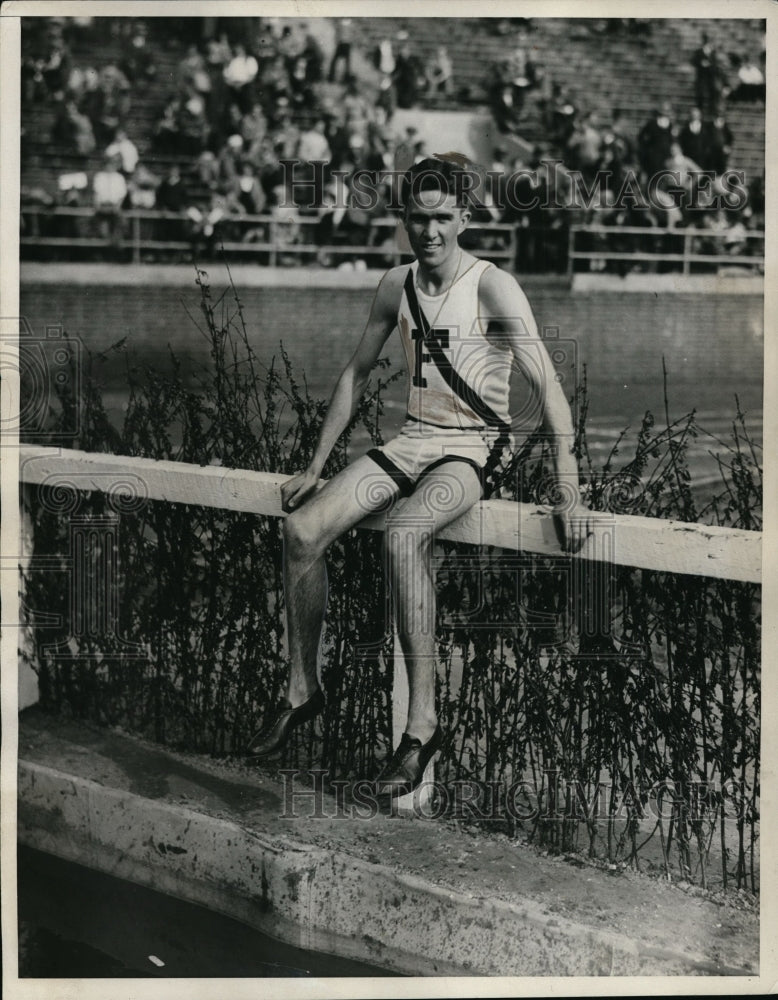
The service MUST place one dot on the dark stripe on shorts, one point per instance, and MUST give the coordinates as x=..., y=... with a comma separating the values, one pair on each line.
x=404, y=483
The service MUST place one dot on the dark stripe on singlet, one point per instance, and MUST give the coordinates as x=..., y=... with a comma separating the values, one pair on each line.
x=457, y=384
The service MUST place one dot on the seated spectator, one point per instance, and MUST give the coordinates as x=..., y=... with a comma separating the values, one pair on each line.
x=285, y=227
x=142, y=188
x=559, y=114
x=683, y=169
x=693, y=138
x=35, y=223
x=137, y=61
x=70, y=182
x=408, y=78
x=618, y=138
x=110, y=191
x=218, y=52
x=239, y=75
x=709, y=75
x=655, y=139
x=171, y=193
x=407, y=149
x=207, y=170
x=750, y=84
x=229, y=123
x=638, y=217
x=340, y=67
x=522, y=70
x=286, y=135
x=73, y=190
x=193, y=126
x=253, y=127
x=193, y=72
x=356, y=109
x=584, y=147
x=115, y=84
x=383, y=57
x=114, y=106
x=90, y=95
x=440, y=74
x=274, y=84
x=735, y=240
x=313, y=55
x=250, y=193
x=381, y=141
x=73, y=130
x=291, y=43
x=167, y=135
x=300, y=88
x=123, y=147
x=55, y=69
x=266, y=43
x=313, y=143
x=229, y=158
x=719, y=136
x=505, y=99
x=33, y=85
x=208, y=222
x=264, y=159
x=717, y=224
x=756, y=201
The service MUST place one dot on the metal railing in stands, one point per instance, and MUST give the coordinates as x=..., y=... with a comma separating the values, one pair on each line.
x=618, y=234
x=262, y=234
x=280, y=239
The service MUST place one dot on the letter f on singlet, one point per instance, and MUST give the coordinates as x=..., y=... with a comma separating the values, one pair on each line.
x=440, y=335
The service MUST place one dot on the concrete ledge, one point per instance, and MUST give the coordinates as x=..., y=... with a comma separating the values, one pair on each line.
x=177, y=275
x=212, y=835
x=726, y=282
x=244, y=275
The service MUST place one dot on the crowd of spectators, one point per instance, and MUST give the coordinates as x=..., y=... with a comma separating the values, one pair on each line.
x=586, y=159
x=236, y=107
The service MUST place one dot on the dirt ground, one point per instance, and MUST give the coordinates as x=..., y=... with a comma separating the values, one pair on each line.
x=720, y=931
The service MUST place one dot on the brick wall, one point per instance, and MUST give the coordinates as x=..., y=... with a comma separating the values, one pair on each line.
x=712, y=342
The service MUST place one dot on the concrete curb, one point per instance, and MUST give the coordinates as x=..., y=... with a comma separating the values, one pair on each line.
x=316, y=898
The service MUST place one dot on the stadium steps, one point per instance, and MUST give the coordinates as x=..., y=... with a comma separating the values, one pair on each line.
x=600, y=70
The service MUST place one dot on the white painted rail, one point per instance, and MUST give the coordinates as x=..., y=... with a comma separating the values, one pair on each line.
x=648, y=543
x=627, y=540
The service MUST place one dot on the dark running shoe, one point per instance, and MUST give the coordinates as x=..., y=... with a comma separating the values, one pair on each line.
x=275, y=733
x=405, y=770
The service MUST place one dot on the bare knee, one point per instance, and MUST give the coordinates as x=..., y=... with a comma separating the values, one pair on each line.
x=406, y=545
x=302, y=539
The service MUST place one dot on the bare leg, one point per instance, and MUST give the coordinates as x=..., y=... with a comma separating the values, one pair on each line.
x=441, y=497
x=308, y=532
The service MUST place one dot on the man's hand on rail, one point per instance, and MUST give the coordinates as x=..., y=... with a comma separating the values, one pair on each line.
x=296, y=491
x=573, y=527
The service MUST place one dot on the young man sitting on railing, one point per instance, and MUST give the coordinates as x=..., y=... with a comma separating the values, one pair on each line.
x=463, y=322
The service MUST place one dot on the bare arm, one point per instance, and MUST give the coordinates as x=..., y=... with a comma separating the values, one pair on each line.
x=350, y=386
x=512, y=325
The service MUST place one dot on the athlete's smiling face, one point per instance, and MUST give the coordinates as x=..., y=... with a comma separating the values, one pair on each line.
x=434, y=221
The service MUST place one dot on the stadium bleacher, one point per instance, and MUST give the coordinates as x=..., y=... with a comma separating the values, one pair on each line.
x=606, y=68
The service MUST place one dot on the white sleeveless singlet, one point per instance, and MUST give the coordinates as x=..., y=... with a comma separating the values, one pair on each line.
x=462, y=380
